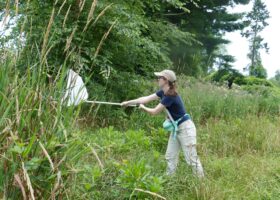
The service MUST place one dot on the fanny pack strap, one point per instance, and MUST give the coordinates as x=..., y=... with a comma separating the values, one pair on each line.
x=175, y=124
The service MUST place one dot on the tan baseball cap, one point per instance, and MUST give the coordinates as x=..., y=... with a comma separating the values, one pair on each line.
x=168, y=74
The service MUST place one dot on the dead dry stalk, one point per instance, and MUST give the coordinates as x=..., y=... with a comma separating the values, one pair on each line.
x=7, y=13
x=96, y=156
x=104, y=38
x=47, y=155
x=66, y=16
x=102, y=13
x=44, y=60
x=18, y=181
x=46, y=37
x=16, y=2
x=147, y=192
x=56, y=186
x=17, y=112
x=62, y=5
x=40, y=97
x=28, y=182
x=90, y=14
x=81, y=5
x=70, y=38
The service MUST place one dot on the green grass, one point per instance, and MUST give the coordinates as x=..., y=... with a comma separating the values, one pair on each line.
x=240, y=158
x=239, y=142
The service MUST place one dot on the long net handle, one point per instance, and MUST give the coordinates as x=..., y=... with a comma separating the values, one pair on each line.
x=108, y=103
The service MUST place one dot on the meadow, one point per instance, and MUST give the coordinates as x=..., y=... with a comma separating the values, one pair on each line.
x=50, y=151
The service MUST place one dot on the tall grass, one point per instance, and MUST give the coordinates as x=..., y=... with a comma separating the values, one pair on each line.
x=240, y=158
x=204, y=101
x=38, y=148
x=34, y=131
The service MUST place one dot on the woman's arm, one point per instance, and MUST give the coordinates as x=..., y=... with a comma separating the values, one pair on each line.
x=141, y=100
x=153, y=111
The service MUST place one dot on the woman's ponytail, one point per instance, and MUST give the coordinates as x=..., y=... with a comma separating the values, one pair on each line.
x=172, y=91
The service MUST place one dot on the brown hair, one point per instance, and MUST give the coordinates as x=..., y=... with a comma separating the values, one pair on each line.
x=172, y=89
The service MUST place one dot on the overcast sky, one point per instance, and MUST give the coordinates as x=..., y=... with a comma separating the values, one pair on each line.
x=239, y=45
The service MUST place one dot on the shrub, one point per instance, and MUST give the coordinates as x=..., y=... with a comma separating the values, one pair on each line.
x=225, y=75
x=137, y=174
x=253, y=81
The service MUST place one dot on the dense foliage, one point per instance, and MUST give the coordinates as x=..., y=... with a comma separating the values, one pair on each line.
x=123, y=40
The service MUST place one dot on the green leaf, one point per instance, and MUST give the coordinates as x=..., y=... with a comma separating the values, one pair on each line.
x=17, y=149
x=33, y=164
x=28, y=148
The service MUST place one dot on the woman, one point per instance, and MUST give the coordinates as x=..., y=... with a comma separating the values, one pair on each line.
x=185, y=137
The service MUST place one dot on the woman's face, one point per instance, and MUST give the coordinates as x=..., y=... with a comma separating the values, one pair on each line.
x=161, y=81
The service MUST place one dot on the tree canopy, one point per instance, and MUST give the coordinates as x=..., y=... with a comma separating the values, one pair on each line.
x=126, y=39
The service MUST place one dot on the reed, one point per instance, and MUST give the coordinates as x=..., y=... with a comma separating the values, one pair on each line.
x=66, y=16
x=47, y=33
x=82, y=5
x=90, y=14
x=7, y=12
x=28, y=182
x=102, y=13
x=16, y=2
x=104, y=38
x=61, y=7
x=70, y=38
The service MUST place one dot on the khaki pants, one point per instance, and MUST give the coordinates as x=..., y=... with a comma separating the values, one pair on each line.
x=185, y=139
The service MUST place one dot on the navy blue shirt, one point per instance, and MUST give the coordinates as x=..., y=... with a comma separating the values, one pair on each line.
x=174, y=105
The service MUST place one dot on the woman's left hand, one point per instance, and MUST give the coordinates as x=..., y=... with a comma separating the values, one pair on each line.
x=141, y=106
x=125, y=104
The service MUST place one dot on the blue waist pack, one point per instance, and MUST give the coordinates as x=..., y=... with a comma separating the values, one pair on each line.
x=172, y=126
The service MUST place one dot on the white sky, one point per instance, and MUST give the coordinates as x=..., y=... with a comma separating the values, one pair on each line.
x=239, y=45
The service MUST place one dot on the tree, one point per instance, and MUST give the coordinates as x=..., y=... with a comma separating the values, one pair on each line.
x=208, y=21
x=277, y=75
x=105, y=40
x=256, y=21
x=124, y=40
x=276, y=78
x=259, y=71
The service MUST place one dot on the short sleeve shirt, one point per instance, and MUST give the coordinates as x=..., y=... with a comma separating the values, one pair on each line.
x=174, y=104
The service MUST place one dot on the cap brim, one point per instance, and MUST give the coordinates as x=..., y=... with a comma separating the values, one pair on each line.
x=158, y=74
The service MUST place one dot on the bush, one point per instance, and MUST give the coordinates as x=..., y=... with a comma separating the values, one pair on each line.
x=224, y=75
x=251, y=80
